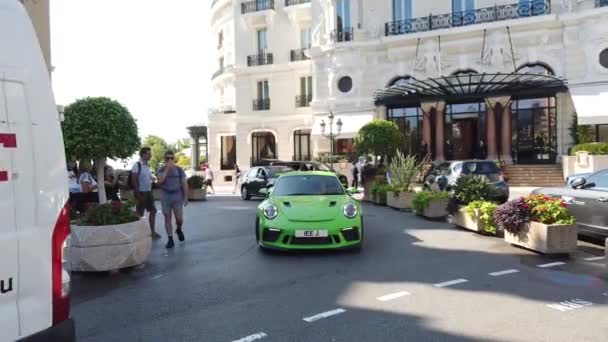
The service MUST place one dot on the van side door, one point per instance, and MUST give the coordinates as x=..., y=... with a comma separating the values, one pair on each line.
x=9, y=261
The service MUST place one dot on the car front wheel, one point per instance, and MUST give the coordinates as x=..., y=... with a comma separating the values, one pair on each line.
x=245, y=196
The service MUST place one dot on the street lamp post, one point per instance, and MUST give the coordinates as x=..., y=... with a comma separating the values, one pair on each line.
x=331, y=135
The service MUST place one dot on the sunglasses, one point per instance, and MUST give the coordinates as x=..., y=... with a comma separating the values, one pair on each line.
x=169, y=158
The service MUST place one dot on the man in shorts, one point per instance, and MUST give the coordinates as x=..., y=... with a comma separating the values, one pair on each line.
x=141, y=182
x=174, y=196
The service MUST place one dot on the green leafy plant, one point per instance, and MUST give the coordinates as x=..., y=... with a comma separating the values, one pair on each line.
x=112, y=213
x=591, y=148
x=159, y=147
x=379, y=138
x=512, y=216
x=195, y=182
x=548, y=210
x=99, y=128
x=403, y=171
x=471, y=188
x=380, y=188
x=423, y=199
x=484, y=212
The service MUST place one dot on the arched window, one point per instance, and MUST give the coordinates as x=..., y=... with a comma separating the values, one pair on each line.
x=535, y=68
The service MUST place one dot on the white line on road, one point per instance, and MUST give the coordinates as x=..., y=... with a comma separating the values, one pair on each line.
x=501, y=273
x=595, y=258
x=552, y=264
x=392, y=296
x=451, y=282
x=324, y=315
x=252, y=338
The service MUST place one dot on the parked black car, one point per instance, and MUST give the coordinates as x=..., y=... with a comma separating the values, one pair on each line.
x=445, y=174
x=310, y=166
x=588, y=200
x=260, y=177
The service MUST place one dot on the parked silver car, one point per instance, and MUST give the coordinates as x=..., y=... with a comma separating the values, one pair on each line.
x=445, y=174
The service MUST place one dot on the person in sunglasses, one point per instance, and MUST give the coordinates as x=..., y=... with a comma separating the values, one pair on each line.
x=174, y=196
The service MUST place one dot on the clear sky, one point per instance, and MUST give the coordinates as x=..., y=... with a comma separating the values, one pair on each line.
x=151, y=55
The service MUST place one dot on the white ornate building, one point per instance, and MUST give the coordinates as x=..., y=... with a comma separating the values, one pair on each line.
x=511, y=73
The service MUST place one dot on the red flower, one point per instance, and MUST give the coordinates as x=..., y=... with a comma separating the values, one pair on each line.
x=564, y=204
x=547, y=198
x=525, y=205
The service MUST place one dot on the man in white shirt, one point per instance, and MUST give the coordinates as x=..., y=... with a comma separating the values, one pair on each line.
x=141, y=182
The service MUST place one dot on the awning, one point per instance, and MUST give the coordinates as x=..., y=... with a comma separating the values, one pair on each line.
x=351, y=124
x=591, y=103
x=464, y=86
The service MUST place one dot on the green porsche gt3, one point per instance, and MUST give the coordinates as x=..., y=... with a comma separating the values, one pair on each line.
x=309, y=210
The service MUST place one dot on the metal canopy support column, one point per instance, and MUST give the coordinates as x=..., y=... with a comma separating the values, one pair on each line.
x=497, y=106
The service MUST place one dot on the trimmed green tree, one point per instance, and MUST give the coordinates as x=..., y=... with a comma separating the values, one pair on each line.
x=380, y=138
x=159, y=147
x=98, y=128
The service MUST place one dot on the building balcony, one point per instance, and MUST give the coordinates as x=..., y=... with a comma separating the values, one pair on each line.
x=298, y=55
x=261, y=104
x=601, y=3
x=478, y=16
x=261, y=59
x=296, y=2
x=258, y=13
x=298, y=11
x=256, y=6
x=303, y=101
x=343, y=35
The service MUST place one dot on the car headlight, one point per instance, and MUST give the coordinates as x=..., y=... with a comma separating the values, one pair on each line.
x=350, y=210
x=270, y=211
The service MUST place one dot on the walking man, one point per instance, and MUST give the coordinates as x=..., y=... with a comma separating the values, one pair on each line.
x=174, y=196
x=209, y=178
x=141, y=182
x=237, y=176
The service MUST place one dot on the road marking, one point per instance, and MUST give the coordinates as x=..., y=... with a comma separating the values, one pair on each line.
x=595, y=258
x=568, y=305
x=501, y=273
x=157, y=277
x=253, y=337
x=324, y=315
x=552, y=264
x=392, y=296
x=451, y=282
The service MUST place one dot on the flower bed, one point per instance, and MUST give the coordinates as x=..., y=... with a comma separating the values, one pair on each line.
x=477, y=216
x=539, y=223
x=431, y=204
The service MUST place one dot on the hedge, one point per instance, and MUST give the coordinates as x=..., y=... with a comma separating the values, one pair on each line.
x=591, y=148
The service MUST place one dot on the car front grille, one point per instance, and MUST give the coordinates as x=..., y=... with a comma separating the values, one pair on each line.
x=351, y=234
x=270, y=235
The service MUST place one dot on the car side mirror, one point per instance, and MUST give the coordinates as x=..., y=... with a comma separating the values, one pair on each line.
x=578, y=183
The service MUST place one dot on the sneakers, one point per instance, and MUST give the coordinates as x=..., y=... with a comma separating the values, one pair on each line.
x=170, y=243
x=180, y=234
x=155, y=236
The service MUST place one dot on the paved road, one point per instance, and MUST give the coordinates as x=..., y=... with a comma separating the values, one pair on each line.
x=415, y=280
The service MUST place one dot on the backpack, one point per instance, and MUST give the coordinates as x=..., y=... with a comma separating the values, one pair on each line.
x=130, y=177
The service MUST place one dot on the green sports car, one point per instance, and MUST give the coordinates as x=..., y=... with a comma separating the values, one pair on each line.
x=309, y=210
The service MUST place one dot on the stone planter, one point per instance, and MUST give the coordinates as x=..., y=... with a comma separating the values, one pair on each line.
x=380, y=198
x=106, y=248
x=437, y=209
x=400, y=200
x=464, y=220
x=546, y=239
x=197, y=194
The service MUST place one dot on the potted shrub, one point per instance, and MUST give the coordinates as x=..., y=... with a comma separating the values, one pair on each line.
x=471, y=189
x=107, y=237
x=403, y=170
x=379, y=191
x=431, y=204
x=196, y=191
x=478, y=216
x=586, y=158
x=539, y=223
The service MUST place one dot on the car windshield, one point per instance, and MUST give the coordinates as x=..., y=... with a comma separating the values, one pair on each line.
x=480, y=168
x=308, y=185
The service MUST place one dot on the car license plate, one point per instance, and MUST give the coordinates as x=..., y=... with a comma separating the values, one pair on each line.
x=311, y=233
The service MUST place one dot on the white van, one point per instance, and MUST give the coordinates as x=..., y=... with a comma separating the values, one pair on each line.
x=34, y=218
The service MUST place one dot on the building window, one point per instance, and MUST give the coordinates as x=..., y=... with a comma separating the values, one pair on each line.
x=602, y=133
x=228, y=152
x=220, y=40
x=344, y=147
x=263, y=146
x=343, y=15
x=604, y=58
x=402, y=10
x=305, y=97
x=262, y=41
x=464, y=5
x=301, y=145
x=409, y=121
x=534, y=125
x=535, y=68
x=305, y=38
x=345, y=84
x=263, y=97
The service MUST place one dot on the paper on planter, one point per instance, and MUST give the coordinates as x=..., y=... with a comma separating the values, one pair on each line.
x=106, y=258
x=89, y=236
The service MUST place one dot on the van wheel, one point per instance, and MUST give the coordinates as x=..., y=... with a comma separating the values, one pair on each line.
x=245, y=196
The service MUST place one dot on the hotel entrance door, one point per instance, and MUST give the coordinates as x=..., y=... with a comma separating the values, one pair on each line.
x=464, y=138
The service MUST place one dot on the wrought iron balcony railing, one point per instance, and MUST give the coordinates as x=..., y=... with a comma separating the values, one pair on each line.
x=217, y=73
x=299, y=55
x=303, y=100
x=477, y=16
x=256, y=6
x=261, y=104
x=261, y=59
x=295, y=2
x=601, y=3
x=345, y=34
